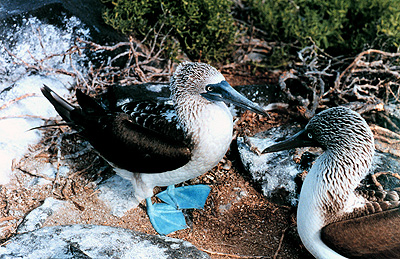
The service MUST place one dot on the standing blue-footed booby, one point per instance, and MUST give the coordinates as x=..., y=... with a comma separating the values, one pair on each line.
x=333, y=220
x=154, y=144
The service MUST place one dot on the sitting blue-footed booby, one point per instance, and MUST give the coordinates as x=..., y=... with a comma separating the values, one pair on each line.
x=333, y=220
x=154, y=144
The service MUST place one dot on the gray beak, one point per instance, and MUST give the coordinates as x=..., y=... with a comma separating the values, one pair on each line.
x=299, y=140
x=225, y=93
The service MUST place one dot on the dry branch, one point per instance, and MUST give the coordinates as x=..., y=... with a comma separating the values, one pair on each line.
x=280, y=243
x=128, y=62
x=17, y=99
x=369, y=84
x=376, y=175
x=24, y=116
x=232, y=255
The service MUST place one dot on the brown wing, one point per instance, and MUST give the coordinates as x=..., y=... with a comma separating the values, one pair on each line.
x=372, y=236
x=135, y=148
x=140, y=138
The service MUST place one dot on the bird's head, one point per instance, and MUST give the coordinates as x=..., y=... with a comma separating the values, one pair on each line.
x=207, y=84
x=333, y=129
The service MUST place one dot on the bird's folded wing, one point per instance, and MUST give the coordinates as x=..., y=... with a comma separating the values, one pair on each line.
x=375, y=235
x=159, y=117
x=140, y=138
x=135, y=148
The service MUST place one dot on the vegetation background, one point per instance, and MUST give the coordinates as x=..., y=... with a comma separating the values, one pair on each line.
x=209, y=30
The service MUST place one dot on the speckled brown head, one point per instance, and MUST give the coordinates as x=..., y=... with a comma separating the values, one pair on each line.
x=200, y=83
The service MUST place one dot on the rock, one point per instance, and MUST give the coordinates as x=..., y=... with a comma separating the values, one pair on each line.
x=25, y=39
x=275, y=172
x=117, y=194
x=54, y=11
x=261, y=94
x=93, y=241
x=36, y=218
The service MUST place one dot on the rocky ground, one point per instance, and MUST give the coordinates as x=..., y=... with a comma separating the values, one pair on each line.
x=238, y=221
x=62, y=182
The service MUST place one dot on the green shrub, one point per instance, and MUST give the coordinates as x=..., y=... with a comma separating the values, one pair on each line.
x=338, y=26
x=204, y=29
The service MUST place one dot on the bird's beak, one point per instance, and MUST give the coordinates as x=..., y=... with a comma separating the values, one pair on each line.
x=299, y=140
x=224, y=92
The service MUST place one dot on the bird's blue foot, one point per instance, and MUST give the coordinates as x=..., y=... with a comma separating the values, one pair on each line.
x=186, y=197
x=164, y=217
x=167, y=217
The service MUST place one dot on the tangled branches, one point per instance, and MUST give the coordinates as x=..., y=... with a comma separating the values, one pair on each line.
x=373, y=77
x=305, y=84
x=370, y=84
x=125, y=63
x=132, y=64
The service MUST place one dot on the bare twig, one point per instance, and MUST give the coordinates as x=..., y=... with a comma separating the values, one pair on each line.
x=232, y=255
x=35, y=174
x=97, y=47
x=376, y=175
x=253, y=148
x=280, y=243
x=7, y=218
x=18, y=99
x=358, y=58
x=24, y=116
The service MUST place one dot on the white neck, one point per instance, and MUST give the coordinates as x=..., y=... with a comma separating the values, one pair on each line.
x=310, y=218
x=190, y=110
x=326, y=194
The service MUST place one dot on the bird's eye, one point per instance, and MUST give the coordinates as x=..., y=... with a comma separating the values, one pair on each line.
x=309, y=135
x=209, y=88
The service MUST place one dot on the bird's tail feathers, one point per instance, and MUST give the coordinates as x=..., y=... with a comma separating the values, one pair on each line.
x=63, y=107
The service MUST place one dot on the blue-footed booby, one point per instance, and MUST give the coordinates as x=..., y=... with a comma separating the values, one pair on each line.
x=153, y=144
x=333, y=219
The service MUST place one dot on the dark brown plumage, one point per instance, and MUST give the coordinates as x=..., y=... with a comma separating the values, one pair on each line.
x=137, y=139
x=372, y=236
